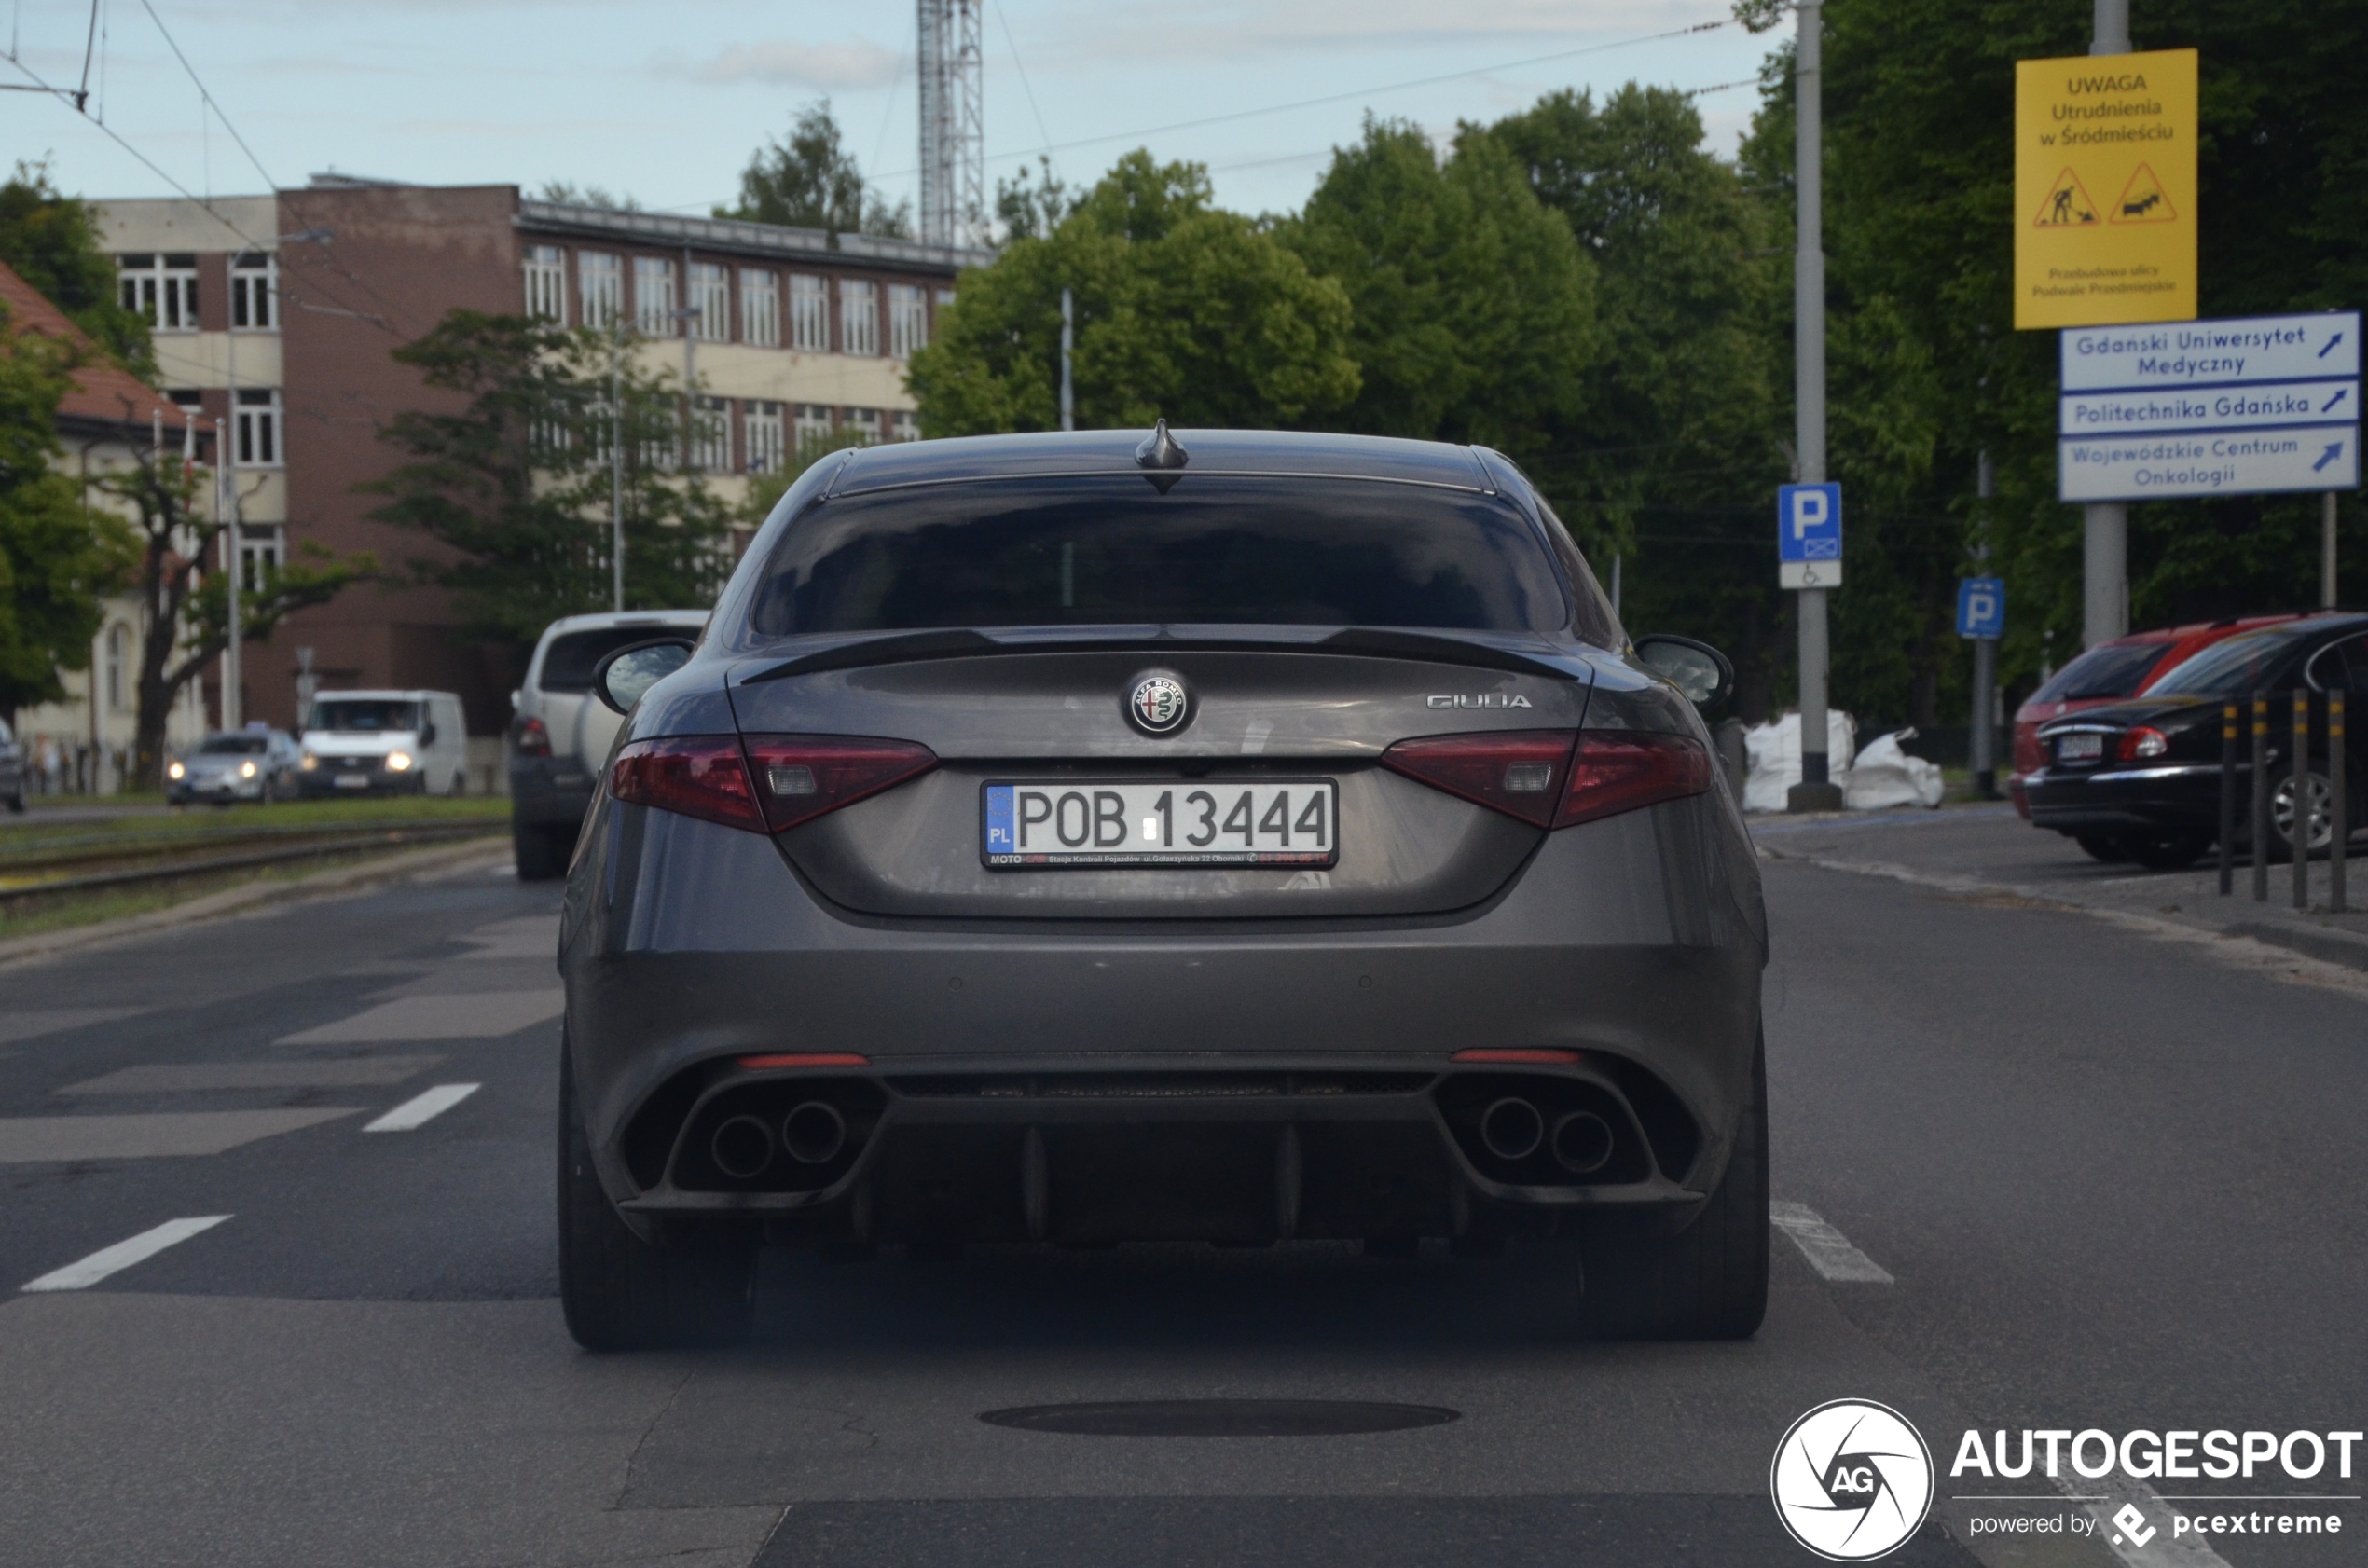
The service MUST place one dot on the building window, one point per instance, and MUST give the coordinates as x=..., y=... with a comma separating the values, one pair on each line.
x=262, y=552
x=161, y=290
x=858, y=318
x=904, y=426
x=711, y=435
x=599, y=288
x=653, y=297
x=760, y=309
x=710, y=302
x=865, y=424
x=546, y=283
x=908, y=321
x=813, y=430
x=761, y=437
x=256, y=438
x=119, y=661
x=809, y=314
x=254, y=292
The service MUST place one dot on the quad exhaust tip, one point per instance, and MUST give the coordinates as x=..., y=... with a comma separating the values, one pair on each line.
x=1511, y=1129
x=1582, y=1143
x=741, y=1148
x=814, y=1133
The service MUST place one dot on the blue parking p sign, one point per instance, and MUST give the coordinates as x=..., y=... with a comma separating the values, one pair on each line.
x=1981, y=607
x=1808, y=535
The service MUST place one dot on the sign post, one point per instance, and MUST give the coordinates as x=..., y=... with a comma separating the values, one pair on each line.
x=1981, y=619
x=1810, y=575
x=2105, y=227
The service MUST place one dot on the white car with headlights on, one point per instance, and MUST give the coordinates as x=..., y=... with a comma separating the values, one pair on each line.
x=391, y=743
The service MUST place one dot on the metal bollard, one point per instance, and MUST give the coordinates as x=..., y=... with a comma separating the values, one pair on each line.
x=2259, y=781
x=2339, y=841
x=2302, y=797
x=2228, y=724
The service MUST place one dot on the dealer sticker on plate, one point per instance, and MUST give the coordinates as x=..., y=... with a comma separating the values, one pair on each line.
x=1275, y=822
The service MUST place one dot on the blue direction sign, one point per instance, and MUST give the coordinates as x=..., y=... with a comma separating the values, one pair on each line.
x=1981, y=607
x=1808, y=535
x=2202, y=408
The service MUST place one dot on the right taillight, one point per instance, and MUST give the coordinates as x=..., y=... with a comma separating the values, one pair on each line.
x=1620, y=770
x=533, y=740
x=800, y=777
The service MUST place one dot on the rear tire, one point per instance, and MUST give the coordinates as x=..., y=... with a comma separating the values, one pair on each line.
x=2103, y=847
x=542, y=850
x=622, y=1293
x=1708, y=1281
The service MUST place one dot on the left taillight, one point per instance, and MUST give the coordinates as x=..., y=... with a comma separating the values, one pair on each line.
x=698, y=776
x=801, y=777
x=1544, y=779
x=533, y=740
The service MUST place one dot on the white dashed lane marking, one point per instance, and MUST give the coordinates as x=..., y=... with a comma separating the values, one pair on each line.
x=39, y=1139
x=422, y=1109
x=1828, y=1250
x=115, y=1260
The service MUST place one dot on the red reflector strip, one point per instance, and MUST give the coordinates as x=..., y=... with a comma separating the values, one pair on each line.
x=1533, y=1058
x=807, y=1059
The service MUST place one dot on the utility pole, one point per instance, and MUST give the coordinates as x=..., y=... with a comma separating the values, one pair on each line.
x=1816, y=791
x=1985, y=726
x=2105, y=524
x=1068, y=324
x=234, y=563
x=616, y=465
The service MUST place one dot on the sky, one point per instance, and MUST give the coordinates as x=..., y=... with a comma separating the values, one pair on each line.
x=665, y=101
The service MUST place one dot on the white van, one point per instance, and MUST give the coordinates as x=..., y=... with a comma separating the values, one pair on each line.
x=394, y=743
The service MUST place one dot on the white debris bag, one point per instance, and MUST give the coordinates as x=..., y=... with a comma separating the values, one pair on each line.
x=1774, y=753
x=1885, y=775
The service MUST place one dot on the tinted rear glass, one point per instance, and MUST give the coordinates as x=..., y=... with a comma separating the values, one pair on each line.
x=2233, y=666
x=368, y=715
x=1113, y=550
x=569, y=662
x=2103, y=674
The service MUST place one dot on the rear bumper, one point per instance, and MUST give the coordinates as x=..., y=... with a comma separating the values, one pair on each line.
x=2181, y=797
x=1146, y=1075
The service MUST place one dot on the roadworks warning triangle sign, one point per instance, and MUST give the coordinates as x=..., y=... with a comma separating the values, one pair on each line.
x=2143, y=200
x=2067, y=206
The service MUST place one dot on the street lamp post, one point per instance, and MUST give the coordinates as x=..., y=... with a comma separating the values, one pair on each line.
x=1816, y=791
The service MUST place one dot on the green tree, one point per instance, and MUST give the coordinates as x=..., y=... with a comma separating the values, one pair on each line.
x=1183, y=311
x=183, y=609
x=52, y=243
x=1474, y=306
x=516, y=487
x=1031, y=206
x=812, y=181
x=57, y=556
x=1673, y=464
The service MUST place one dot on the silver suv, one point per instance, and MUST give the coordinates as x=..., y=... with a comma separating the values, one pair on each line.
x=561, y=735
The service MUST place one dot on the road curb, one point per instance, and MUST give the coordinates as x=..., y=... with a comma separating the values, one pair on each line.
x=255, y=895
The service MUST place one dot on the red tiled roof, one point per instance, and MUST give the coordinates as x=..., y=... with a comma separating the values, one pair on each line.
x=100, y=390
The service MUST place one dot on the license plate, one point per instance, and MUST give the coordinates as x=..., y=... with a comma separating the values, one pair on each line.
x=353, y=782
x=2082, y=748
x=1173, y=822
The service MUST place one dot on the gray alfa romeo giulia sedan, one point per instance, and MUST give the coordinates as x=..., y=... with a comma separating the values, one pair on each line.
x=1216, y=836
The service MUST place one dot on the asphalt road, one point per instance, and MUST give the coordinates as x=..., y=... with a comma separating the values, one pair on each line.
x=2112, y=1182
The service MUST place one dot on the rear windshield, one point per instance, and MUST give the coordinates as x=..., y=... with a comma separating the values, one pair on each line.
x=569, y=662
x=1114, y=551
x=2232, y=667
x=2103, y=674
x=234, y=745
x=366, y=714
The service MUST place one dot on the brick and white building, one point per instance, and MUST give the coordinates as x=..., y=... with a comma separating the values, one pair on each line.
x=278, y=313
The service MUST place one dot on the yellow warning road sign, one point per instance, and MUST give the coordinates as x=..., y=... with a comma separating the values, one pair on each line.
x=2120, y=123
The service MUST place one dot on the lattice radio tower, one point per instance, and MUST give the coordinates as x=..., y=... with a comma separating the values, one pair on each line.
x=953, y=124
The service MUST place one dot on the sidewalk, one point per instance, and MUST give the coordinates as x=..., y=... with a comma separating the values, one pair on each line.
x=1987, y=850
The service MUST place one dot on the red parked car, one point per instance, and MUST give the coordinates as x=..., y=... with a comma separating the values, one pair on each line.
x=2113, y=671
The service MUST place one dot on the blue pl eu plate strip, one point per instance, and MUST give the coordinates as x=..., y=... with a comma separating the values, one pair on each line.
x=998, y=820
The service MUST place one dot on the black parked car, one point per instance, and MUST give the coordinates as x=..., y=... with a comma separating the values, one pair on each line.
x=1258, y=837
x=2140, y=780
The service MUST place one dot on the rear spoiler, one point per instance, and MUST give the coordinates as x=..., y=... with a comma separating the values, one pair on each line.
x=1368, y=641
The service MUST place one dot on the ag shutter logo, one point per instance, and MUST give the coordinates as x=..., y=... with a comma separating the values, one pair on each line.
x=1852, y=1480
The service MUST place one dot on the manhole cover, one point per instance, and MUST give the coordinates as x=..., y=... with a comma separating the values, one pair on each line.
x=1221, y=1417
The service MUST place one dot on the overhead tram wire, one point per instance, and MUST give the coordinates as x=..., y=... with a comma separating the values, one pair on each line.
x=207, y=98
x=1004, y=18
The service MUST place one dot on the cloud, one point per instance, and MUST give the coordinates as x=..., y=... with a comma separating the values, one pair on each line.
x=827, y=67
